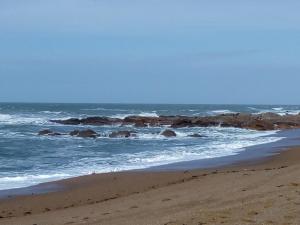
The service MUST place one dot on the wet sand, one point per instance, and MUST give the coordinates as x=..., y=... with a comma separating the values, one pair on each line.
x=255, y=192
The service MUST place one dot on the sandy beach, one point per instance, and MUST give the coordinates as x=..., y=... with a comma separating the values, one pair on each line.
x=130, y=112
x=264, y=192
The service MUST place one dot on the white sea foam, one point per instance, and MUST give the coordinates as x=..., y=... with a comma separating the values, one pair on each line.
x=149, y=136
x=52, y=112
x=187, y=153
x=280, y=111
x=142, y=114
x=105, y=109
x=236, y=141
x=5, y=117
x=149, y=114
x=217, y=142
x=21, y=119
x=252, y=108
x=221, y=111
x=28, y=180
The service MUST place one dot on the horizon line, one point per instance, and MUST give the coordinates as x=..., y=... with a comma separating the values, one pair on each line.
x=140, y=103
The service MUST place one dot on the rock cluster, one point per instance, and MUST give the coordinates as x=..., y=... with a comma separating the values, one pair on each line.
x=84, y=133
x=265, y=121
x=93, y=134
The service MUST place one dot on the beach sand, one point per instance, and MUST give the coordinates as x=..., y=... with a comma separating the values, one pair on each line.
x=260, y=192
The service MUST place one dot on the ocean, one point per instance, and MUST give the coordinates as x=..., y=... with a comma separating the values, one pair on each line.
x=27, y=159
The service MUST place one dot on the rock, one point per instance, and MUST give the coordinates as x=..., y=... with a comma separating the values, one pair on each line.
x=265, y=121
x=121, y=134
x=74, y=132
x=286, y=125
x=196, y=135
x=48, y=132
x=98, y=121
x=269, y=116
x=168, y=133
x=260, y=125
x=72, y=121
x=84, y=133
x=206, y=122
x=182, y=123
x=140, y=124
x=45, y=132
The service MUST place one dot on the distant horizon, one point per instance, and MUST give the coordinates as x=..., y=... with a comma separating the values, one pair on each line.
x=133, y=103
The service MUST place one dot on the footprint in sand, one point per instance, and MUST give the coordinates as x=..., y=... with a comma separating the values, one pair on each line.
x=253, y=213
x=248, y=221
x=27, y=213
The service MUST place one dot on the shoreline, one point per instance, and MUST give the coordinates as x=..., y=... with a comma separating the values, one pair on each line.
x=249, y=154
x=108, y=192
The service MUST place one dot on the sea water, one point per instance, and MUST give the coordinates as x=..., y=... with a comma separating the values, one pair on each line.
x=28, y=159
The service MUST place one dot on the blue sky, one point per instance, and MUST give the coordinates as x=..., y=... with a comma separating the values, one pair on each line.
x=130, y=51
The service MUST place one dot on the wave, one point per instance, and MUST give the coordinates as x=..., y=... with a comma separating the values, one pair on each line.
x=5, y=117
x=105, y=109
x=29, y=180
x=280, y=111
x=142, y=114
x=277, y=109
x=158, y=136
x=51, y=112
x=197, y=152
x=221, y=111
x=19, y=119
x=221, y=142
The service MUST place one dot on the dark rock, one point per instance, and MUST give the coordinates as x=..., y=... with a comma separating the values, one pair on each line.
x=48, y=132
x=98, y=121
x=140, y=124
x=260, y=125
x=74, y=132
x=206, y=122
x=84, y=133
x=270, y=116
x=265, y=121
x=196, y=135
x=168, y=133
x=45, y=132
x=72, y=121
x=121, y=134
x=182, y=123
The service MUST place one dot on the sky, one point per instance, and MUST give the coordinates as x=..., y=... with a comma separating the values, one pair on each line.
x=154, y=51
